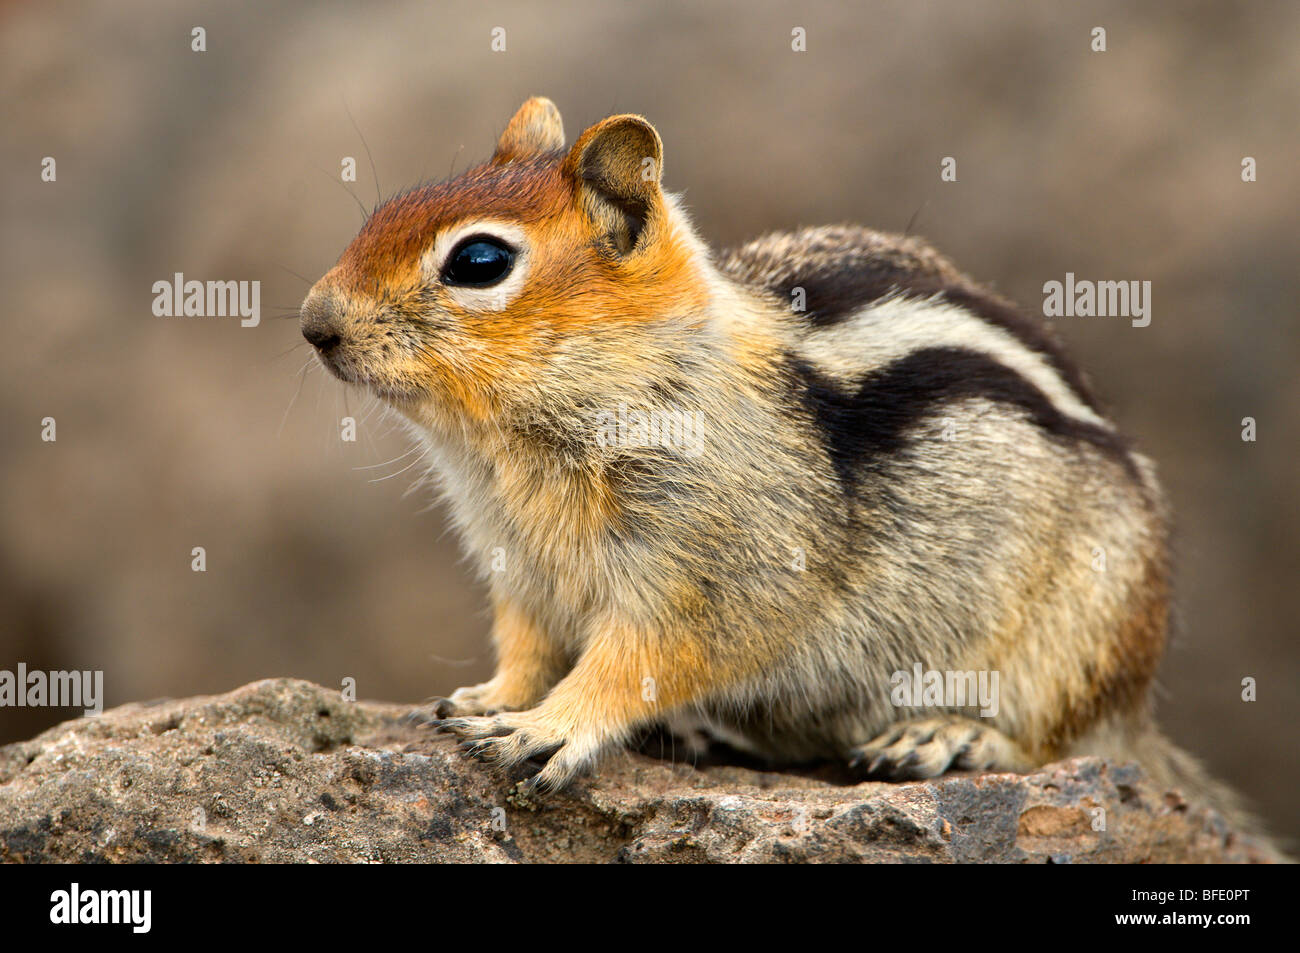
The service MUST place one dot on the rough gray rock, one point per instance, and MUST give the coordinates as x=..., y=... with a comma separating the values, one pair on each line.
x=284, y=770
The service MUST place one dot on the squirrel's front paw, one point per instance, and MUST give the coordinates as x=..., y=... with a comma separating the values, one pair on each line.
x=510, y=738
x=927, y=748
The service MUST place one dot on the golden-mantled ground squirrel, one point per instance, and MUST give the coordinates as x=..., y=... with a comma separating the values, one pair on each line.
x=760, y=490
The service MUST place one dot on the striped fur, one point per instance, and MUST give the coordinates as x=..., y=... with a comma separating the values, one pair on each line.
x=907, y=471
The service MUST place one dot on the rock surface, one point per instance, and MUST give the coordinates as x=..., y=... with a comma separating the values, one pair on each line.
x=287, y=771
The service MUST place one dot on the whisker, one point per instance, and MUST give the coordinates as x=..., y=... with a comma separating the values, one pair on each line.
x=365, y=213
x=422, y=455
x=306, y=281
x=302, y=376
x=455, y=661
x=400, y=456
x=374, y=174
x=288, y=351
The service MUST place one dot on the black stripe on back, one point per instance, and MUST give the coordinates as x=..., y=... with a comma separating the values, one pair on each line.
x=1032, y=333
x=833, y=297
x=833, y=294
x=875, y=420
x=843, y=269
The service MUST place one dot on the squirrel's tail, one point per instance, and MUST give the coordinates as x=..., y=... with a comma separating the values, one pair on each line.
x=1173, y=769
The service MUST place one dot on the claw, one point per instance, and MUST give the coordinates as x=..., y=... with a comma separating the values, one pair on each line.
x=538, y=785
x=478, y=749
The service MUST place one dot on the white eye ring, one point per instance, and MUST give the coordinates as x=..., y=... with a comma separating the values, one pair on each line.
x=495, y=297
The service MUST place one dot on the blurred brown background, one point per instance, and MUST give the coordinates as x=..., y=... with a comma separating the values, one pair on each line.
x=175, y=433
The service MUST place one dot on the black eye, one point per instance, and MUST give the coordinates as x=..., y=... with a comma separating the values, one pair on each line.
x=478, y=261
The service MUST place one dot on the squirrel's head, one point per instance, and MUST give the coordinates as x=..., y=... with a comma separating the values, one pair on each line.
x=468, y=294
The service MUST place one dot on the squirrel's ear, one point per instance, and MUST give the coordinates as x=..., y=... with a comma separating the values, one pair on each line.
x=535, y=128
x=616, y=166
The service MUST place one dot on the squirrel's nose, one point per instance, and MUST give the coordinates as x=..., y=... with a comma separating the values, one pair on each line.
x=322, y=337
x=320, y=326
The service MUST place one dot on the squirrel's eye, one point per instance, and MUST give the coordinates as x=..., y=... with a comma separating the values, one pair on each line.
x=478, y=261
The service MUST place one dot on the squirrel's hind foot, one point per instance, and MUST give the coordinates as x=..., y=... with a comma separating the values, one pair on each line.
x=926, y=748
